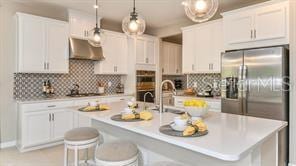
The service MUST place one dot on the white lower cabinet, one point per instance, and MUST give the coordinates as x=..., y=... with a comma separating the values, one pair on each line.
x=36, y=128
x=62, y=121
x=44, y=124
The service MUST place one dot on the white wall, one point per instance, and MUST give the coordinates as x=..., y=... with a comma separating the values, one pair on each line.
x=293, y=81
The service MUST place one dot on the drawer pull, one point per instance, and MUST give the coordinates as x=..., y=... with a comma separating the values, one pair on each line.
x=51, y=106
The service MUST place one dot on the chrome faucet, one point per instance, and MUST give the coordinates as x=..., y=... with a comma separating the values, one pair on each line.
x=161, y=97
x=145, y=98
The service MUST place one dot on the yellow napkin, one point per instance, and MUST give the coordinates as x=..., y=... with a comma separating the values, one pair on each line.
x=90, y=108
x=128, y=116
x=145, y=115
x=197, y=126
x=104, y=107
x=100, y=107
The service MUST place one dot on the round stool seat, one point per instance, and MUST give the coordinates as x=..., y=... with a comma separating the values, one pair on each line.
x=117, y=151
x=81, y=134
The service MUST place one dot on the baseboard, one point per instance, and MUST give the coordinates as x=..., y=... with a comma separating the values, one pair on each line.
x=291, y=164
x=4, y=145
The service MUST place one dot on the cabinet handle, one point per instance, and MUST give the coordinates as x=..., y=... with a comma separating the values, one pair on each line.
x=147, y=60
x=162, y=70
x=49, y=117
x=47, y=65
x=251, y=34
x=255, y=33
x=51, y=106
x=52, y=117
x=192, y=67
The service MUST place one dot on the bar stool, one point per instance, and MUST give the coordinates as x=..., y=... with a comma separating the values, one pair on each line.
x=117, y=153
x=77, y=139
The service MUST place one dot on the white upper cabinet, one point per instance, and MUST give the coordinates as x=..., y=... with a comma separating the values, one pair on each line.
x=81, y=23
x=57, y=47
x=42, y=45
x=188, y=51
x=146, y=50
x=171, y=58
x=202, y=47
x=261, y=25
x=115, y=50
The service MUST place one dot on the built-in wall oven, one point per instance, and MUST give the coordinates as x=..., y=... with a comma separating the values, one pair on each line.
x=145, y=83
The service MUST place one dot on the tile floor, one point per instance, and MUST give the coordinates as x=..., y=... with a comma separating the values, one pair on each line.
x=53, y=156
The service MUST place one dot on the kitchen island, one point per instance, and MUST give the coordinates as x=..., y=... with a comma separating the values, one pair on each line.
x=233, y=140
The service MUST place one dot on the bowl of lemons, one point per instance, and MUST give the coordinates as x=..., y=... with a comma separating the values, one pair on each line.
x=196, y=107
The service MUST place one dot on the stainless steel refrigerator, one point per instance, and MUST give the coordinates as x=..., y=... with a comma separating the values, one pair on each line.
x=255, y=83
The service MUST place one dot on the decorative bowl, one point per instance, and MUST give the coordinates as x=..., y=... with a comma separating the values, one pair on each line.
x=197, y=111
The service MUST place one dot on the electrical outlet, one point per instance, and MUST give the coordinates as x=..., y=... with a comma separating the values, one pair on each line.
x=195, y=84
x=109, y=84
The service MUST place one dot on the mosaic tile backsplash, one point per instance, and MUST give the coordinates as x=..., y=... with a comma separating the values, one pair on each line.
x=172, y=78
x=203, y=80
x=28, y=86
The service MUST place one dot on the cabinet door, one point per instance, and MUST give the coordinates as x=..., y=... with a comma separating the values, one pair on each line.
x=203, y=48
x=31, y=44
x=217, y=47
x=57, y=47
x=80, y=24
x=36, y=128
x=77, y=26
x=172, y=59
x=115, y=51
x=271, y=22
x=189, y=51
x=237, y=28
x=165, y=57
x=179, y=59
x=108, y=65
x=62, y=121
x=121, y=52
x=150, y=52
x=140, y=51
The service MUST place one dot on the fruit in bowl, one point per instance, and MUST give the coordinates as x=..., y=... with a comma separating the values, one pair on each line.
x=196, y=108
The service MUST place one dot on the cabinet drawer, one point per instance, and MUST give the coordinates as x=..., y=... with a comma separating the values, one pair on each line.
x=45, y=106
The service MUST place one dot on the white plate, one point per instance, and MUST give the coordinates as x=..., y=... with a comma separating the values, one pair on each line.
x=177, y=128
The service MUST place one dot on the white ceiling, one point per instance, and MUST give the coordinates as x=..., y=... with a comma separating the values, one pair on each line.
x=157, y=13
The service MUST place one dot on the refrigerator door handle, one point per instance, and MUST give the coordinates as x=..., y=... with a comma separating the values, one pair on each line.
x=240, y=82
x=245, y=88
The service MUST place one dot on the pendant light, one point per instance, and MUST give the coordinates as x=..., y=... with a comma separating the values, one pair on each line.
x=133, y=24
x=95, y=38
x=200, y=10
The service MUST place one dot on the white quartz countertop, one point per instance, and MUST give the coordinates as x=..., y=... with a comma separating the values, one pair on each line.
x=214, y=99
x=230, y=138
x=66, y=98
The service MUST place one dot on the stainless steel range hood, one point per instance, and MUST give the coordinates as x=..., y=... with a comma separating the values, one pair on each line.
x=81, y=49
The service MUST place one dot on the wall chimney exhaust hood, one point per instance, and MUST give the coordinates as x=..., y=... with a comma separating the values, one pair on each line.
x=81, y=49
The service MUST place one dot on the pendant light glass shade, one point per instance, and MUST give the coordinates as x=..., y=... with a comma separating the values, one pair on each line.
x=133, y=24
x=95, y=34
x=200, y=10
x=95, y=37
